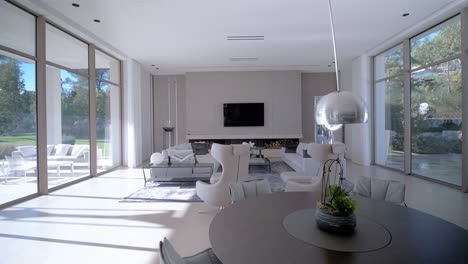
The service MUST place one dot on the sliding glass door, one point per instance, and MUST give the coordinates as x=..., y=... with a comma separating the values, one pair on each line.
x=18, y=129
x=107, y=111
x=388, y=107
x=68, y=142
x=436, y=103
x=434, y=106
x=64, y=103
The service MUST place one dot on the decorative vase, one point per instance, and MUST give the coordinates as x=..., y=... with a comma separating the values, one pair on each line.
x=334, y=223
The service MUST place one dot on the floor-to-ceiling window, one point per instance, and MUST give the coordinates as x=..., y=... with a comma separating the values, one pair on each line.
x=435, y=108
x=436, y=103
x=107, y=111
x=18, y=130
x=66, y=113
x=388, y=108
x=67, y=107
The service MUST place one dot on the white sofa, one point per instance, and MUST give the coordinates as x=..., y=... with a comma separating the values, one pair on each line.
x=319, y=153
x=309, y=177
x=182, y=153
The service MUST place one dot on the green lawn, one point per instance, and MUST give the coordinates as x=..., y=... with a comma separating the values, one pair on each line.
x=19, y=140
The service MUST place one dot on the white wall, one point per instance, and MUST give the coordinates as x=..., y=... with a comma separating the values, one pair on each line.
x=280, y=92
x=356, y=78
x=137, y=120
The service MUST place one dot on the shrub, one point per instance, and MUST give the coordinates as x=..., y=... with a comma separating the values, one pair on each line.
x=69, y=140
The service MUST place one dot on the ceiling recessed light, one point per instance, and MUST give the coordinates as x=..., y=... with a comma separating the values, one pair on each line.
x=75, y=5
x=153, y=65
x=405, y=14
x=97, y=20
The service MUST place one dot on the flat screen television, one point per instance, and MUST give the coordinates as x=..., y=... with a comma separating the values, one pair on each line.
x=243, y=114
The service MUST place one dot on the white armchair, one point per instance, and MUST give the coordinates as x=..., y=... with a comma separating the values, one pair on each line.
x=234, y=160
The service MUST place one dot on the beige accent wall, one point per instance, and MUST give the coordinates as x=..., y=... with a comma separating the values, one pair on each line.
x=161, y=108
x=280, y=91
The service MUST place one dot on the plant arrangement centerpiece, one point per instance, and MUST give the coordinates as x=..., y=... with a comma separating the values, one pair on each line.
x=335, y=211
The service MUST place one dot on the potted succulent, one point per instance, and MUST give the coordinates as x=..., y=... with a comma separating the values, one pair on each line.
x=335, y=211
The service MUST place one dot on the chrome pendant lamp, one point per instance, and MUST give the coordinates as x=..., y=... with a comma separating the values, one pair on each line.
x=340, y=107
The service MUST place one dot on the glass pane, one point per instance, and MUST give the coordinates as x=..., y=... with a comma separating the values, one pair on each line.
x=389, y=63
x=437, y=43
x=107, y=125
x=389, y=127
x=17, y=28
x=436, y=120
x=65, y=50
x=18, y=163
x=107, y=68
x=67, y=126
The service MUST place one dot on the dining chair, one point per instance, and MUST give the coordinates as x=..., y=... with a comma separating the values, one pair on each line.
x=242, y=190
x=170, y=256
x=385, y=190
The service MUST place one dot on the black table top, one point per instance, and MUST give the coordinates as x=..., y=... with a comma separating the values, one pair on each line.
x=251, y=231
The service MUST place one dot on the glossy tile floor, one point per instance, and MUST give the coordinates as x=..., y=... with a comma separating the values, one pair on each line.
x=86, y=223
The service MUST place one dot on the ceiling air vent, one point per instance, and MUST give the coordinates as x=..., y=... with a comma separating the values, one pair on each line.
x=243, y=59
x=245, y=38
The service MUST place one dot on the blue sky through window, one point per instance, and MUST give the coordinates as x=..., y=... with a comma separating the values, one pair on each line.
x=29, y=75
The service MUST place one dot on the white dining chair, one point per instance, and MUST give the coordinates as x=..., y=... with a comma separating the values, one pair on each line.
x=170, y=256
x=242, y=190
x=385, y=190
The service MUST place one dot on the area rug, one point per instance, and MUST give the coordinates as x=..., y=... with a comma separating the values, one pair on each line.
x=185, y=191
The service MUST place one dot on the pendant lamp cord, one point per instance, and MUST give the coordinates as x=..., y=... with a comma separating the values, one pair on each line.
x=334, y=46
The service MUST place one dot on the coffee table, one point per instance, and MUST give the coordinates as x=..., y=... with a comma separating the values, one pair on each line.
x=260, y=162
x=178, y=172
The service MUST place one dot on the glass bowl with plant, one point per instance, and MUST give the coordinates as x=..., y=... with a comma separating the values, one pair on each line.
x=335, y=210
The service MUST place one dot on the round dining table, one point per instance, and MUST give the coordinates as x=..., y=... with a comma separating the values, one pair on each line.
x=252, y=231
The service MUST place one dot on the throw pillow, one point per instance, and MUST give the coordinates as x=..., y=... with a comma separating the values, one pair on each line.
x=200, y=148
x=62, y=149
x=305, y=154
x=300, y=147
x=289, y=150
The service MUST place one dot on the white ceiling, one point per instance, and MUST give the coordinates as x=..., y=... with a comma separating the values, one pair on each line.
x=186, y=35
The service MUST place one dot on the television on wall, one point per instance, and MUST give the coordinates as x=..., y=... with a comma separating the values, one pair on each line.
x=243, y=115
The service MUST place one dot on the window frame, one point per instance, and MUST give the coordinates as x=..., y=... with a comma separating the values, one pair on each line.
x=40, y=61
x=406, y=74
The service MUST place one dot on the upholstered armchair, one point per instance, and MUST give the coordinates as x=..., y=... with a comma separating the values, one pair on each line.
x=234, y=160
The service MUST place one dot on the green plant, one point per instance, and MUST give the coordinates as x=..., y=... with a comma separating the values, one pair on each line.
x=69, y=140
x=338, y=201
